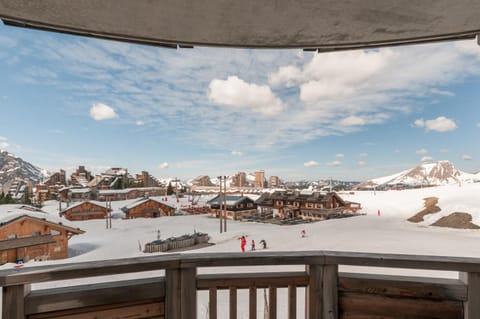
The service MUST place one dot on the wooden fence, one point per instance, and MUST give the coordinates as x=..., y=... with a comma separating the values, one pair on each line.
x=328, y=293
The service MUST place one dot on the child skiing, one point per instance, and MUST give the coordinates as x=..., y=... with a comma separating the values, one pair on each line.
x=253, y=245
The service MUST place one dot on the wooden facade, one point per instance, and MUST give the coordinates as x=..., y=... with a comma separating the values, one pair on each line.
x=237, y=206
x=314, y=206
x=316, y=283
x=129, y=193
x=84, y=211
x=148, y=208
x=26, y=237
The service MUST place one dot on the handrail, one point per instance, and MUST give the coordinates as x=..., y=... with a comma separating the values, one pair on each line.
x=131, y=265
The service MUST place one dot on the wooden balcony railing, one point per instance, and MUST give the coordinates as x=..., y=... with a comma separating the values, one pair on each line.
x=173, y=294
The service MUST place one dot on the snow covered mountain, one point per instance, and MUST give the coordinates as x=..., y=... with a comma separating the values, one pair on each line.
x=425, y=174
x=14, y=170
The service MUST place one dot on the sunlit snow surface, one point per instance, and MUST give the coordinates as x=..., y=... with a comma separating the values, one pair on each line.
x=387, y=233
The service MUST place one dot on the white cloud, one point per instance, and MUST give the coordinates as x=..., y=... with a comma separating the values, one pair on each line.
x=164, y=165
x=421, y=151
x=287, y=75
x=334, y=163
x=442, y=92
x=466, y=157
x=332, y=75
x=4, y=143
x=311, y=164
x=139, y=123
x=427, y=159
x=237, y=93
x=353, y=121
x=363, y=154
x=340, y=155
x=237, y=153
x=362, y=163
x=440, y=124
x=100, y=111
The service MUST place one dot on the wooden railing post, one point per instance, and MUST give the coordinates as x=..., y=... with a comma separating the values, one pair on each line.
x=322, y=292
x=471, y=307
x=13, y=303
x=188, y=293
x=330, y=292
x=172, y=293
x=181, y=293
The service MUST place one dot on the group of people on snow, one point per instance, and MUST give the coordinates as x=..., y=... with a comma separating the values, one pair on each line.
x=243, y=244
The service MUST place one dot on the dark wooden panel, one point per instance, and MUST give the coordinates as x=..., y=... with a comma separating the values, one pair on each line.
x=148, y=310
x=56, y=299
x=398, y=308
x=403, y=286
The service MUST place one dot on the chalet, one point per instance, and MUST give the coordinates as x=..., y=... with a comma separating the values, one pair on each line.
x=237, y=206
x=148, y=208
x=129, y=193
x=85, y=210
x=29, y=233
x=314, y=206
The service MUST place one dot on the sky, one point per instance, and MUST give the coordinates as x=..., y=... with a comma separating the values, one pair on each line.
x=67, y=101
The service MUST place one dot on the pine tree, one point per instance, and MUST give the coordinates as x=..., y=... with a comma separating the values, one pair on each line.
x=169, y=189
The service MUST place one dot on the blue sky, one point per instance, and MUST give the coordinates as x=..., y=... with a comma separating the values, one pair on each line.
x=67, y=101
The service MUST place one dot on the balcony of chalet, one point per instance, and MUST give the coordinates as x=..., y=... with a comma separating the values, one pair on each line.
x=235, y=285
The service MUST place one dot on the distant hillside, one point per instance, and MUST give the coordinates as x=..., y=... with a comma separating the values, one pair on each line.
x=426, y=174
x=14, y=170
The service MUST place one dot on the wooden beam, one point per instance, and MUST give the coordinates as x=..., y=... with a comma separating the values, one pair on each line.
x=472, y=304
x=13, y=301
x=252, y=303
x=292, y=302
x=233, y=303
x=247, y=280
x=314, y=292
x=56, y=299
x=172, y=293
x=188, y=293
x=272, y=303
x=330, y=292
x=212, y=303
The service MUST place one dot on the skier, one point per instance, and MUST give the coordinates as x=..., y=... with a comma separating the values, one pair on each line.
x=304, y=233
x=253, y=245
x=243, y=243
x=378, y=212
x=263, y=243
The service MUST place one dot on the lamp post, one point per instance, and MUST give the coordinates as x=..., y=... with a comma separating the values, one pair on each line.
x=220, y=203
x=225, y=203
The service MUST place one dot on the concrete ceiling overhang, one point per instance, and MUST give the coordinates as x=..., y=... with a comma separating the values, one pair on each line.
x=309, y=24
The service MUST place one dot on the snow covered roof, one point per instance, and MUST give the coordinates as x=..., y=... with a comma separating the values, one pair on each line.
x=94, y=202
x=232, y=200
x=126, y=190
x=144, y=200
x=11, y=212
x=80, y=190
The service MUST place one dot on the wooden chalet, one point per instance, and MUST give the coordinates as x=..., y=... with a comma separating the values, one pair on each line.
x=314, y=206
x=85, y=210
x=148, y=208
x=26, y=233
x=237, y=206
x=129, y=193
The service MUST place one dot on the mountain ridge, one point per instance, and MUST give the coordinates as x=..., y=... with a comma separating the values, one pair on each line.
x=432, y=173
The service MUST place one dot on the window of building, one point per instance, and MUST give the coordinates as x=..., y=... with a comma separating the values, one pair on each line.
x=54, y=232
x=12, y=236
x=36, y=233
x=57, y=249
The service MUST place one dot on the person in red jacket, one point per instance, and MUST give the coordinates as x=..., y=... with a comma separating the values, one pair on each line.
x=243, y=243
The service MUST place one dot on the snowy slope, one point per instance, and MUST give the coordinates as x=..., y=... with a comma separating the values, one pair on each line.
x=432, y=173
